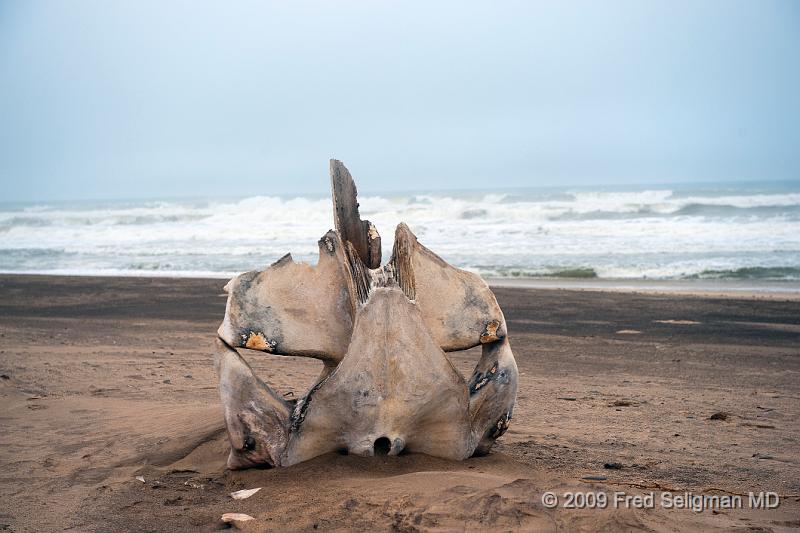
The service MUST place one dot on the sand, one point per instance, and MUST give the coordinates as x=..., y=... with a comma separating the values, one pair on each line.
x=107, y=379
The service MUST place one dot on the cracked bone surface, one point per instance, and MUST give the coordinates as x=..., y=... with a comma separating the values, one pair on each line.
x=382, y=333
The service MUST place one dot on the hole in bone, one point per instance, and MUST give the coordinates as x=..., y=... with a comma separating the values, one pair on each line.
x=382, y=446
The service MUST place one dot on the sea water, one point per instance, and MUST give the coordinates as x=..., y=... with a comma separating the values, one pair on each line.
x=720, y=231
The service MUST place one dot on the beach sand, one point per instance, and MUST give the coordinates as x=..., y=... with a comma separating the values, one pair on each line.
x=107, y=379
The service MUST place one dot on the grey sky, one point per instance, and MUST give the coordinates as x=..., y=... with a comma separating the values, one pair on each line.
x=103, y=99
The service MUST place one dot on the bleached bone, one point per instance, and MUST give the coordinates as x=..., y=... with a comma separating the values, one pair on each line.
x=255, y=416
x=459, y=311
x=398, y=393
x=492, y=393
x=382, y=332
x=293, y=308
x=296, y=309
x=457, y=306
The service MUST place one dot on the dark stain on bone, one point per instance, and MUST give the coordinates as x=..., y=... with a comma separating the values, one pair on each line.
x=500, y=427
x=492, y=433
x=328, y=244
x=498, y=375
x=262, y=331
x=245, y=280
x=473, y=305
x=300, y=409
x=362, y=398
x=472, y=300
x=481, y=379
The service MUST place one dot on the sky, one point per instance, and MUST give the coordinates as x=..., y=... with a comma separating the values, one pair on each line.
x=150, y=99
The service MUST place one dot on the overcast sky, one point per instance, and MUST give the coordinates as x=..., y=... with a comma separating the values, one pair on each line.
x=102, y=99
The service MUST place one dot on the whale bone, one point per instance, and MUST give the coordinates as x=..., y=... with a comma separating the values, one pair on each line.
x=382, y=333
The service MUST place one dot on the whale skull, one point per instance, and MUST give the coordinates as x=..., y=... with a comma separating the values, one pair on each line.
x=382, y=333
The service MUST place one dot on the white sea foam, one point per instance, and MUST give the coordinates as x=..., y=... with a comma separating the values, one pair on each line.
x=660, y=233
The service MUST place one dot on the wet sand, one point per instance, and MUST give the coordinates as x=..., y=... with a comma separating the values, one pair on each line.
x=106, y=379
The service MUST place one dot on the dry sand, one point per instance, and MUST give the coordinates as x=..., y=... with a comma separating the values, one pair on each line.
x=106, y=379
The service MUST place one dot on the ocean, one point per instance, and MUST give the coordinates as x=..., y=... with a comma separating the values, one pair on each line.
x=720, y=231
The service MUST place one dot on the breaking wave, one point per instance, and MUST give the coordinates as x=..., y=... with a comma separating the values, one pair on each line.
x=664, y=233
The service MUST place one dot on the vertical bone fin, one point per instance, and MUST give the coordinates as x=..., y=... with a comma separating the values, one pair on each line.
x=404, y=243
x=361, y=233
